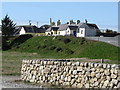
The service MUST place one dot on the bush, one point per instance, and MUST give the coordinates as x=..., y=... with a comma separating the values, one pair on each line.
x=52, y=47
x=28, y=45
x=66, y=40
x=43, y=46
x=82, y=41
x=69, y=51
x=59, y=39
x=38, y=47
x=59, y=49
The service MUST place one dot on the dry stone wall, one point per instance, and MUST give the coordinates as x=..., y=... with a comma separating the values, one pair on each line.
x=72, y=74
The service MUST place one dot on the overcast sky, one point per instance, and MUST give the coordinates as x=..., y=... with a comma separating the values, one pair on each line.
x=104, y=14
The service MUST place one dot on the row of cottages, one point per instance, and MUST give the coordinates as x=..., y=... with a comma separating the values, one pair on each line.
x=29, y=29
x=78, y=30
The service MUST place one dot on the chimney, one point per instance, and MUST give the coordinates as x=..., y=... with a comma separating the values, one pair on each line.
x=86, y=21
x=50, y=21
x=69, y=22
x=30, y=22
x=78, y=21
x=58, y=23
x=37, y=23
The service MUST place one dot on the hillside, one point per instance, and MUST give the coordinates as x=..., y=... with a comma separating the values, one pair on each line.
x=68, y=47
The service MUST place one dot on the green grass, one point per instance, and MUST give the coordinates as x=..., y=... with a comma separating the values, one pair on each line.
x=81, y=48
x=12, y=61
x=45, y=47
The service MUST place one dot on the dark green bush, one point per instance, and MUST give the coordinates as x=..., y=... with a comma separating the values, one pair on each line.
x=38, y=47
x=66, y=40
x=82, y=41
x=52, y=47
x=59, y=49
x=69, y=51
x=43, y=46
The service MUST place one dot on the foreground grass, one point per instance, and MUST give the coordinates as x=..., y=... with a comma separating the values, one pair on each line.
x=12, y=61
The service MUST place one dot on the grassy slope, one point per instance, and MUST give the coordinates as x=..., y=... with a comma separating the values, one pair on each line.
x=91, y=49
x=33, y=49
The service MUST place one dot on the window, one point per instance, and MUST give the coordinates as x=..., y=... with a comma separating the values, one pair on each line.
x=81, y=31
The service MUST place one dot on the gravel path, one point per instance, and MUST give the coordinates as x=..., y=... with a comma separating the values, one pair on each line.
x=9, y=82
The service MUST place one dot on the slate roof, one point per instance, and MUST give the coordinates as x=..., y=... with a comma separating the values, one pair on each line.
x=93, y=26
x=83, y=25
x=65, y=26
x=30, y=29
x=73, y=27
x=52, y=28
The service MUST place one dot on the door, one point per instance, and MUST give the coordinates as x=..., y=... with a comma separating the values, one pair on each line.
x=74, y=33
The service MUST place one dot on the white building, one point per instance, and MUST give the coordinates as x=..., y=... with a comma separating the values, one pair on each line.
x=28, y=29
x=87, y=30
x=79, y=30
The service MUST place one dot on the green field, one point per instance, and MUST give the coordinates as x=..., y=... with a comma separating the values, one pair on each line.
x=55, y=47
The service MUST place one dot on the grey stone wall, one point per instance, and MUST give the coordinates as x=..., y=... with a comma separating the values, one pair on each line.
x=72, y=74
x=111, y=40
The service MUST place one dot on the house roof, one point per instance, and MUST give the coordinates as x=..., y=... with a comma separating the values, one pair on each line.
x=73, y=27
x=30, y=29
x=93, y=26
x=65, y=26
x=83, y=25
x=52, y=28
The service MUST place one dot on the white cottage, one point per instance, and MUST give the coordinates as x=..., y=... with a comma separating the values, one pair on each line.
x=69, y=30
x=87, y=30
x=28, y=29
x=52, y=31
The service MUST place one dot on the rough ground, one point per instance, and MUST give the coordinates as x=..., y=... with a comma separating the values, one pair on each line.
x=13, y=82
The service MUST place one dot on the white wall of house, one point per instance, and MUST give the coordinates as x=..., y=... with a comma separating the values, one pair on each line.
x=63, y=33
x=81, y=32
x=69, y=31
x=48, y=33
x=86, y=32
x=22, y=31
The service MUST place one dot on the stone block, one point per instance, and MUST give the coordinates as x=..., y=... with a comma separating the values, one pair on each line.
x=107, y=72
x=113, y=76
x=79, y=85
x=79, y=68
x=98, y=75
x=74, y=72
x=92, y=74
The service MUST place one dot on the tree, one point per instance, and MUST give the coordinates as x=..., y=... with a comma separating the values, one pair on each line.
x=8, y=27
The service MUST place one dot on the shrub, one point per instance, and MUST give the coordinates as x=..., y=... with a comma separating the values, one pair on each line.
x=28, y=45
x=82, y=41
x=59, y=39
x=66, y=40
x=43, y=46
x=52, y=47
x=59, y=49
x=38, y=47
x=69, y=51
